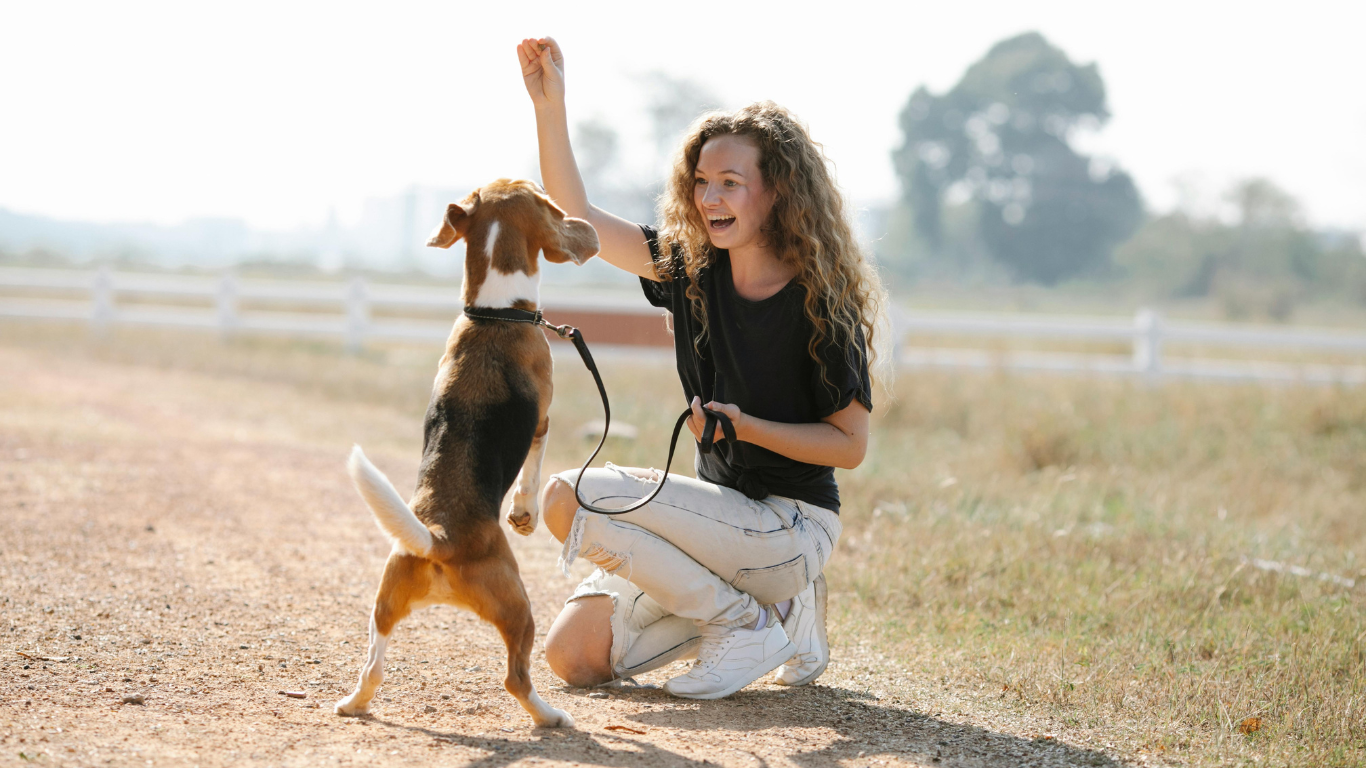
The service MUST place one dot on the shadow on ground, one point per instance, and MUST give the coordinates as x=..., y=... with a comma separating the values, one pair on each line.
x=865, y=729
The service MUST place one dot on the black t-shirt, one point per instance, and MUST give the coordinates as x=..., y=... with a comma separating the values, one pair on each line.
x=755, y=356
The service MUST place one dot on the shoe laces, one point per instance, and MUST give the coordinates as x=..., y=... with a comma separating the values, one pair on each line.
x=714, y=646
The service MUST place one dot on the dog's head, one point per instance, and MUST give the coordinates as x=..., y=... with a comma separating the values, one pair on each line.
x=507, y=225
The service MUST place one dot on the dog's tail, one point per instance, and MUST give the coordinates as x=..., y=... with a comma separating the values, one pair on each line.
x=391, y=513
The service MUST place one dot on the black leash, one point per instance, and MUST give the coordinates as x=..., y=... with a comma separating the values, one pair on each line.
x=713, y=418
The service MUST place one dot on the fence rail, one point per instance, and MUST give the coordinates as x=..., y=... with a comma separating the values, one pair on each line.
x=353, y=303
x=105, y=297
x=1147, y=335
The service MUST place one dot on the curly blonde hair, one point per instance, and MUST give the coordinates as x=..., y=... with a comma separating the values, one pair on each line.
x=807, y=227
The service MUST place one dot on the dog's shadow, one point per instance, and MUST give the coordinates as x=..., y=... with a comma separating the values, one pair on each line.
x=866, y=731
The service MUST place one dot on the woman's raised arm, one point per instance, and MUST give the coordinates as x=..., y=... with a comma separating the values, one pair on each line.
x=622, y=244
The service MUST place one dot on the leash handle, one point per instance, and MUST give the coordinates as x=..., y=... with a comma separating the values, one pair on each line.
x=708, y=436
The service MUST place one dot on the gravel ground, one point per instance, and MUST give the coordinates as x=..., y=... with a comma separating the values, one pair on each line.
x=176, y=550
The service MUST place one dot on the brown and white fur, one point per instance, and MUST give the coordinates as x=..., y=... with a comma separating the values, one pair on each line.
x=485, y=426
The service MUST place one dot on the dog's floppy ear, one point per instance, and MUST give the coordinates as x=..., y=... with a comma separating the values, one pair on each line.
x=573, y=240
x=452, y=228
x=569, y=239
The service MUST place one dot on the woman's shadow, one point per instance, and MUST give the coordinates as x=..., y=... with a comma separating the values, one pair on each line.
x=865, y=730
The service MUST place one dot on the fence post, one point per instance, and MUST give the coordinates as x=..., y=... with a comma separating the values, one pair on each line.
x=898, y=326
x=357, y=314
x=102, y=294
x=227, y=304
x=1148, y=342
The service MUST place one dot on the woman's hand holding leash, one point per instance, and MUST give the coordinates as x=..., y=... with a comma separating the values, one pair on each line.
x=697, y=421
x=716, y=422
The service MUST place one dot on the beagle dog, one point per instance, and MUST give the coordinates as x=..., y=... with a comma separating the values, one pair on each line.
x=486, y=426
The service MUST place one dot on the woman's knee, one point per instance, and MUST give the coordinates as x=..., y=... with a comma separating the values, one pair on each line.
x=579, y=643
x=559, y=503
x=558, y=506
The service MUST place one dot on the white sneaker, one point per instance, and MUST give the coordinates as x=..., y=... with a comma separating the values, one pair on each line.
x=805, y=625
x=730, y=659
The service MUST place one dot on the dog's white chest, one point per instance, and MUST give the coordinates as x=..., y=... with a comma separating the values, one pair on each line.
x=501, y=289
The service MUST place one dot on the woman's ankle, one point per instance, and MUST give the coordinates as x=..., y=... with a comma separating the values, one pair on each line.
x=783, y=608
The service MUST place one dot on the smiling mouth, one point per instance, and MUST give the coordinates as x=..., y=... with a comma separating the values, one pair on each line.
x=718, y=223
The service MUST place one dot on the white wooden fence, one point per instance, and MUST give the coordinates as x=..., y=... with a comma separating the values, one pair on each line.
x=346, y=310
x=1147, y=336
x=342, y=310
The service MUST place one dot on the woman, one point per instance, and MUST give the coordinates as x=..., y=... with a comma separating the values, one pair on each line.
x=772, y=306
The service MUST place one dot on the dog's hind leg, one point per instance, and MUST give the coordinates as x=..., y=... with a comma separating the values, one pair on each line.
x=501, y=600
x=371, y=675
x=525, y=514
x=406, y=579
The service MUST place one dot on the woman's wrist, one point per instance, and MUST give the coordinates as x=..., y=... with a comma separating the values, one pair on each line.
x=550, y=110
x=552, y=121
x=742, y=424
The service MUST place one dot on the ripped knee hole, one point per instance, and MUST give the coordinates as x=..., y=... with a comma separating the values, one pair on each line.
x=605, y=558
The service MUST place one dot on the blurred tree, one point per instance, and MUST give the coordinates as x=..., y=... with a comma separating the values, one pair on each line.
x=1001, y=138
x=1262, y=261
x=1272, y=242
x=1262, y=205
x=1173, y=255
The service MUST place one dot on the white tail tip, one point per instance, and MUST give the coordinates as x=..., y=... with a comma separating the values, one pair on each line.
x=391, y=512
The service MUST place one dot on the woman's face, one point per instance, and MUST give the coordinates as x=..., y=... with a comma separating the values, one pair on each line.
x=730, y=193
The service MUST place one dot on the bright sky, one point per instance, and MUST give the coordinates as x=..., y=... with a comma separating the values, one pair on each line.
x=277, y=112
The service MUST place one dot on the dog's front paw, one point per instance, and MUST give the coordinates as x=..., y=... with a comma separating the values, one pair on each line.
x=522, y=517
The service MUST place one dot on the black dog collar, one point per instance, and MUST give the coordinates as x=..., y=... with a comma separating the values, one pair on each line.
x=507, y=314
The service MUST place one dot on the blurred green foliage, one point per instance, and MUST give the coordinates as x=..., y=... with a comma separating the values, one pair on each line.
x=995, y=191
x=1259, y=260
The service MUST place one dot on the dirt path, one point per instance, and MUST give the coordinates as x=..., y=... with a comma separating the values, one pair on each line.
x=194, y=542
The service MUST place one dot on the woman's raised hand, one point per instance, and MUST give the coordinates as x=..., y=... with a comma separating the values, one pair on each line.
x=542, y=70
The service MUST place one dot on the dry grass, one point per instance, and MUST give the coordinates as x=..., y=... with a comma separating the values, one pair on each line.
x=1064, y=550
x=1081, y=546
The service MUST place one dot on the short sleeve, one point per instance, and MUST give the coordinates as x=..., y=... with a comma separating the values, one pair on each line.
x=658, y=292
x=845, y=377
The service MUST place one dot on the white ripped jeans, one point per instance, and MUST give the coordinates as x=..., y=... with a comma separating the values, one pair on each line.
x=697, y=554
